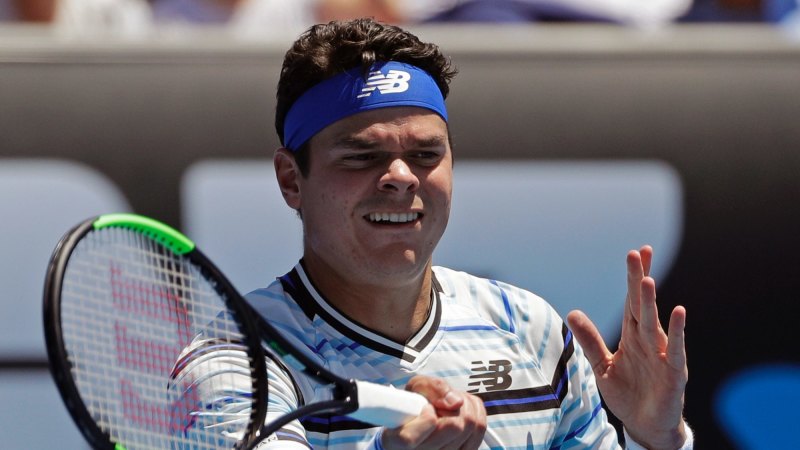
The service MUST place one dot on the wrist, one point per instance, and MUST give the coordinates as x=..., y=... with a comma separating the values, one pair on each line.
x=682, y=439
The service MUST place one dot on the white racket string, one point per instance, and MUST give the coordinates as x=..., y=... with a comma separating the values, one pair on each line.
x=154, y=361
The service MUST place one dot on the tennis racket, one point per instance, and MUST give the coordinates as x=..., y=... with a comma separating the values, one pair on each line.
x=152, y=347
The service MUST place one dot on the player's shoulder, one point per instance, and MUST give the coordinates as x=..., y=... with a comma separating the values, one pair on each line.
x=277, y=306
x=272, y=293
x=489, y=295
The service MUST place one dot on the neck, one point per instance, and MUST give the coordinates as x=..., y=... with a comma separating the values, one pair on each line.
x=395, y=310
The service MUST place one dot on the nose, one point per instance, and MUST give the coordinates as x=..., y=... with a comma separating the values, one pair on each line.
x=398, y=178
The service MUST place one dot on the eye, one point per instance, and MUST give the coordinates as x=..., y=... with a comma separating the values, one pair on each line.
x=426, y=156
x=360, y=157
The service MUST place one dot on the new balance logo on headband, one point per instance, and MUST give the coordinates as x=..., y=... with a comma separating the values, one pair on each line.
x=349, y=93
x=394, y=82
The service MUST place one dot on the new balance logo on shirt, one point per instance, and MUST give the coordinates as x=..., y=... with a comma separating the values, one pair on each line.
x=492, y=377
x=395, y=81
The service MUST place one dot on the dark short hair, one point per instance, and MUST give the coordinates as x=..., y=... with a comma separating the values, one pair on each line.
x=328, y=49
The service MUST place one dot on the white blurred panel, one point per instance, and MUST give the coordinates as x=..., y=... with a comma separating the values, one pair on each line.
x=233, y=210
x=39, y=201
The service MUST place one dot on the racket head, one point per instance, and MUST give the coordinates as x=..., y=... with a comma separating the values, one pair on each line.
x=126, y=301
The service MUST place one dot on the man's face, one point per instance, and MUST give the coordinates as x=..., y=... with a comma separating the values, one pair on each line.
x=377, y=197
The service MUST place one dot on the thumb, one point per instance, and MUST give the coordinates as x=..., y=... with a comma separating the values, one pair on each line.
x=588, y=337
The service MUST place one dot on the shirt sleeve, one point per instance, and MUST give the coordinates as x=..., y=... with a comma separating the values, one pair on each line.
x=284, y=397
x=211, y=387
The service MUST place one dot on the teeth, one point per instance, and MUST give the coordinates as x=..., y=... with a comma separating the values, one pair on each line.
x=393, y=217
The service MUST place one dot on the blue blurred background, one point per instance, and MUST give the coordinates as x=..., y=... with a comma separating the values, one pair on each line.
x=579, y=134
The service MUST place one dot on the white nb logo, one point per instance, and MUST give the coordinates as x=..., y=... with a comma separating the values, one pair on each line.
x=392, y=83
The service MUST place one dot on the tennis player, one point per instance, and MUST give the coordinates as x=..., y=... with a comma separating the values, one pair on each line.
x=367, y=164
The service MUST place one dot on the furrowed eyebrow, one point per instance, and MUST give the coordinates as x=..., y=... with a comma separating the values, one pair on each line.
x=432, y=141
x=356, y=143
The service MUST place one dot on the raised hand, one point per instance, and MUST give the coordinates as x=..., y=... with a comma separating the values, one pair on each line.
x=642, y=383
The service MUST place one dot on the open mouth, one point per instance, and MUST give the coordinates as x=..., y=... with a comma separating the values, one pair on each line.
x=392, y=218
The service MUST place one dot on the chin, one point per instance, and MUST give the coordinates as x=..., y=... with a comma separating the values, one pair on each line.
x=400, y=265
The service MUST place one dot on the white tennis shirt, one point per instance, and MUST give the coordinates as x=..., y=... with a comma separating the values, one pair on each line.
x=501, y=343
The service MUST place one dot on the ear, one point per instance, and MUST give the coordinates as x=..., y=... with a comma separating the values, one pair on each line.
x=288, y=175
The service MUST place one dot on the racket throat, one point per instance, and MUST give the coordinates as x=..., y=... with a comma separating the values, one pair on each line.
x=348, y=392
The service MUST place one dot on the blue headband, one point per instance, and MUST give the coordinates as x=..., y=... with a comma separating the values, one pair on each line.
x=388, y=84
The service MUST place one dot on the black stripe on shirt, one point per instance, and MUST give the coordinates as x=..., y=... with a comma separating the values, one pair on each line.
x=536, y=398
x=293, y=285
x=328, y=424
x=560, y=381
x=437, y=319
x=519, y=400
